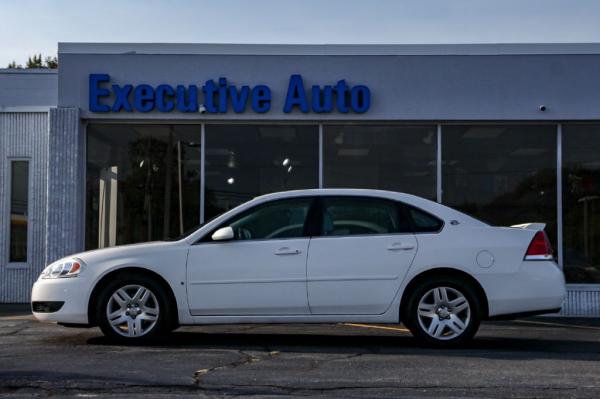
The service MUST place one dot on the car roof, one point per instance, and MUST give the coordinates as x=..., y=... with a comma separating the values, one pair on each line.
x=335, y=191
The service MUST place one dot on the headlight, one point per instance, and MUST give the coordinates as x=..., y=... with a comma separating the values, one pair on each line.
x=63, y=269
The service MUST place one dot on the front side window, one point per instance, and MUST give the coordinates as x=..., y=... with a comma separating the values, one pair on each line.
x=344, y=216
x=19, y=204
x=277, y=220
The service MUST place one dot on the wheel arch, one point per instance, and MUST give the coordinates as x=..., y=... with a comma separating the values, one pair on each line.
x=127, y=271
x=444, y=272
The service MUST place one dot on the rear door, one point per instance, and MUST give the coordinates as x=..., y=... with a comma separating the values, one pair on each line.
x=364, y=250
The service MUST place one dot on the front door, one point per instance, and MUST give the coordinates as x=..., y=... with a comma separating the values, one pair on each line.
x=358, y=262
x=262, y=271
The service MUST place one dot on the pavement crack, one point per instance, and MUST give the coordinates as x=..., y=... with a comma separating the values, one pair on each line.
x=265, y=389
x=316, y=364
x=14, y=332
x=246, y=359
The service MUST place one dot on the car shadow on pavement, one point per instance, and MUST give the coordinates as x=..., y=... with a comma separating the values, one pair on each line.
x=484, y=347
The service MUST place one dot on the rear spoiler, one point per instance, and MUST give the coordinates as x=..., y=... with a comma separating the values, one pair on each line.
x=530, y=226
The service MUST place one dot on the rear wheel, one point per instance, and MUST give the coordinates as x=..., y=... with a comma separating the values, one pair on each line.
x=135, y=309
x=443, y=312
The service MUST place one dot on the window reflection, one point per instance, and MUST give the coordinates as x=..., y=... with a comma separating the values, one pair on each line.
x=143, y=183
x=244, y=161
x=277, y=220
x=343, y=216
x=396, y=158
x=503, y=175
x=581, y=203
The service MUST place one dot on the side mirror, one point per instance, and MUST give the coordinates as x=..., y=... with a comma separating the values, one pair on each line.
x=223, y=234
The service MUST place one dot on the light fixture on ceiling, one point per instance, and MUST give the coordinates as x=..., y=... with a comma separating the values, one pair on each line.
x=231, y=180
x=353, y=152
x=428, y=139
x=286, y=162
x=231, y=160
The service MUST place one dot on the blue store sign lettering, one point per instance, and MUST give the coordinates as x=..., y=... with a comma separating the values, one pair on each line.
x=220, y=97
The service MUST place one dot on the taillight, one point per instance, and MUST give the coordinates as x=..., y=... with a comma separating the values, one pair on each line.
x=540, y=247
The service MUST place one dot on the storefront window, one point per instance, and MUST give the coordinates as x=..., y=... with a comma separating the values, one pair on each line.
x=243, y=161
x=502, y=174
x=581, y=203
x=396, y=158
x=143, y=182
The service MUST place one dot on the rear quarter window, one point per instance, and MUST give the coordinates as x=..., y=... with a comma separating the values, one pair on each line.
x=424, y=222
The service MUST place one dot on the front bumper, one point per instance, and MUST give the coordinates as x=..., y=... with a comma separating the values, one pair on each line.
x=46, y=306
x=73, y=292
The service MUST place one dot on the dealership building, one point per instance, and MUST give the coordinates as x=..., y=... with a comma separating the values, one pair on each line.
x=128, y=143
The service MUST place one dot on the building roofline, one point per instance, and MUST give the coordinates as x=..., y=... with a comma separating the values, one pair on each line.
x=29, y=71
x=329, y=49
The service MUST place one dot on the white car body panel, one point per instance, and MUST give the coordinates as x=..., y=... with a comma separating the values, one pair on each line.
x=245, y=277
x=269, y=291
x=357, y=274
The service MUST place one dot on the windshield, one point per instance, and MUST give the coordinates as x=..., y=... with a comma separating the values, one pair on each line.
x=192, y=230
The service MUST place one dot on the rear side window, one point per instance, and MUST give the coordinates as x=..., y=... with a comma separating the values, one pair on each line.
x=342, y=216
x=423, y=222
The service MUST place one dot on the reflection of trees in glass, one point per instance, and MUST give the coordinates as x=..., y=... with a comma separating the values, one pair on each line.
x=141, y=190
x=581, y=220
x=153, y=189
x=158, y=180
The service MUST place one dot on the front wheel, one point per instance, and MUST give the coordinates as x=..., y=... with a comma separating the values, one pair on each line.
x=133, y=310
x=443, y=313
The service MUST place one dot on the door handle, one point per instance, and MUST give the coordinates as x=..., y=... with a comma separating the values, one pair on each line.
x=397, y=246
x=287, y=251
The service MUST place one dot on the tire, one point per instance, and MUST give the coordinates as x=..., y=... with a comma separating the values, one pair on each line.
x=134, y=309
x=443, y=312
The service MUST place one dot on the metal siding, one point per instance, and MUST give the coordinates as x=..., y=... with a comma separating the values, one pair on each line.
x=64, y=201
x=28, y=87
x=23, y=135
x=582, y=301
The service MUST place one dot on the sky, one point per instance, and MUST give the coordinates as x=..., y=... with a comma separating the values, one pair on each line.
x=36, y=26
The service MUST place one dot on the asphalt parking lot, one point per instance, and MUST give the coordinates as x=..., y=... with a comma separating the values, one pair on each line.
x=541, y=357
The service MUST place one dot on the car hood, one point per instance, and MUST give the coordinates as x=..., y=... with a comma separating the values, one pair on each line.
x=124, y=251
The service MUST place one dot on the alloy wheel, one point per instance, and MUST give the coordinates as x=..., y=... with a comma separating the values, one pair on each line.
x=132, y=311
x=444, y=313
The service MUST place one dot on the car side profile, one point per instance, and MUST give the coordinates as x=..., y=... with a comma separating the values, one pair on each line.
x=313, y=256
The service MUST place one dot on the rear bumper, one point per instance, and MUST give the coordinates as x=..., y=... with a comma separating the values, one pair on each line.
x=537, y=287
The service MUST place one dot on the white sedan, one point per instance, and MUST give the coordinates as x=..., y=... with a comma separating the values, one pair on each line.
x=313, y=256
